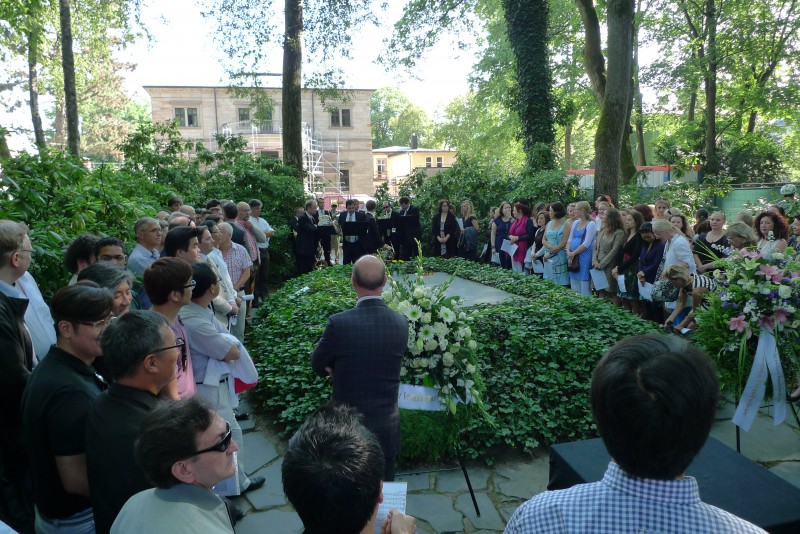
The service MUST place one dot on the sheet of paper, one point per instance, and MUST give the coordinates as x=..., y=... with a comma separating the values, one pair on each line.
x=646, y=291
x=508, y=247
x=549, y=272
x=484, y=250
x=394, y=496
x=538, y=268
x=599, y=279
x=621, y=282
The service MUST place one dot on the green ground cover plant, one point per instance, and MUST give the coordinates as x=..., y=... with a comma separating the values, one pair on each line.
x=538, y=349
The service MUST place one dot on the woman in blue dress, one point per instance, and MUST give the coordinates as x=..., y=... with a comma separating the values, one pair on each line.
x=581, y=239
x=555, y=241
x=500, y=228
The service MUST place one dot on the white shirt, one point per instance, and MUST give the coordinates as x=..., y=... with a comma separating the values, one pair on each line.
x=264, y=227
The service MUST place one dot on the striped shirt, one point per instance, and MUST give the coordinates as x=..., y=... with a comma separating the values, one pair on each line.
x=620, y=504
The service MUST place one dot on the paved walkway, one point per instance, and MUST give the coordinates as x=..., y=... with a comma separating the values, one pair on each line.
x=440, y=501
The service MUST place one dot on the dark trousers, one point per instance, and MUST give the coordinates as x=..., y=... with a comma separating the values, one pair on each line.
x=304, y=263
x=505, y=259
x=389, y=468
x=325, y=241
x=263, y=272
x=351, y=252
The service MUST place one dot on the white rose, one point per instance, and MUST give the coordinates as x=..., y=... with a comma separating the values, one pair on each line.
x=447, y=359
x=419, y=292
x=426, y=318
x=431, y=345
x=472, y=344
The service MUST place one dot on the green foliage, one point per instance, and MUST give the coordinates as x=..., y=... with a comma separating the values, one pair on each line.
x=59, y=199
x=687, y=197
x=753, y=158
x=394, y=119
x=548, y=186
x=538, y=350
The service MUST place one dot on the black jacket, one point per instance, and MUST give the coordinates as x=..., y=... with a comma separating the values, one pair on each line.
x=16, y=362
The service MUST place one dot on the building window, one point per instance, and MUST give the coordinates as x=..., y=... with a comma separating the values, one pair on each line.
x=186, y=117
x=439, y=161
x=344, y=180
x=381, y=167
x=340, y=118
x=428, y=162
x=244, y=114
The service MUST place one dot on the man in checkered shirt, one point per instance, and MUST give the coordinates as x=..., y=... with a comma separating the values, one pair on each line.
x=654, y=399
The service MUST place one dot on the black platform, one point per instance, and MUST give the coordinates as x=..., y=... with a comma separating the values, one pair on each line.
x=726, y=479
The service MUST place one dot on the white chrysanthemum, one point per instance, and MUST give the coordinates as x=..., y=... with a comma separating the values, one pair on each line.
x=414, y=313
x=441, y=329
x=472, y=344
x=426, y=332
x=443, y=342
x=423, y=362
x=432, y=363
x=447, y=315
x=448, y=359
x=426, y=318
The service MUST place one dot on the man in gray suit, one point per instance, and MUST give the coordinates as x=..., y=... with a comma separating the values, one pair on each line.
x=362, y=350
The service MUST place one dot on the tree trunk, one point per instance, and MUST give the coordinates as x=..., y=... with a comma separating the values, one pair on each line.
x=5, y=152
x=33, y=82
x=68, y=64
x=712, y=161
x=292, y=85
x=59, y=137
x=690, y=113
x=593, y=58
x=568, y=147
x=637, y=97
x=614, y=113
x=527, y=33
x=751, y=124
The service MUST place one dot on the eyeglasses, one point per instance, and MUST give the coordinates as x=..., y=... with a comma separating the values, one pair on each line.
x=25, y=250
x=179, y=342
x=190, y=284
x=106, y=257
x=222, y=445
x=99, y=325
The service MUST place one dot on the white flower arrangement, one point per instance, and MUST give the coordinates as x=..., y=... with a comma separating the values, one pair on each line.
x=439, y=330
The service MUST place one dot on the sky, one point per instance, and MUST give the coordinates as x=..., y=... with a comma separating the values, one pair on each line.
x=184, y=53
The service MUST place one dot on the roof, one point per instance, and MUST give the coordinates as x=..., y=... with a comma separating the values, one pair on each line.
x=405, y=149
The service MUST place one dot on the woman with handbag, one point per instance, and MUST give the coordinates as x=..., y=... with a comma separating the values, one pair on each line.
x=537, y=266
x=579, y=249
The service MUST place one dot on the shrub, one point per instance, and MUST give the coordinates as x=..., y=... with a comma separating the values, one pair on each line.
x=538, y=350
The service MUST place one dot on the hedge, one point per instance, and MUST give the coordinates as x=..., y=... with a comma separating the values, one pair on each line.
x=538, y=351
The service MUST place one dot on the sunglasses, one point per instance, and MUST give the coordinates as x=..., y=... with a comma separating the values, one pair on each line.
x=222, y=445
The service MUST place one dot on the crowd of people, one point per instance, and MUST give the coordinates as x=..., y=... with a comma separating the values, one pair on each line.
x=119, y=397
x=646, y=259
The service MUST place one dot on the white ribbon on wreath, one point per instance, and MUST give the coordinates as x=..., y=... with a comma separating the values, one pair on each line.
x=766, y=361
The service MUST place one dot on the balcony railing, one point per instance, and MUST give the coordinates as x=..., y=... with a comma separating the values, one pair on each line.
x=252, y=127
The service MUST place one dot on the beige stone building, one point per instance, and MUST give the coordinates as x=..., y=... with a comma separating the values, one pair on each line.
x=337, y=137
x=395, y=163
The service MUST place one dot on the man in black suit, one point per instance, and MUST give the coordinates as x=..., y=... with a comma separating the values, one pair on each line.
x=323, y=237
x=305, y=244
x=411, y=229
x=352, y=245
x=362, y=350
x=372, y=240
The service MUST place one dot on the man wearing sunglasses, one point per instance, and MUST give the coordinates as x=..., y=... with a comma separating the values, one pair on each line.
x=185, y=449
x=141, y=352
x=55, y=404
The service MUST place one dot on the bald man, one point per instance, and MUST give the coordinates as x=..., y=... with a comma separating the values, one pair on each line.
x=362, y=350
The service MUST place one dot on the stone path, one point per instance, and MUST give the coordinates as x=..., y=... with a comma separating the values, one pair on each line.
x=440, y=500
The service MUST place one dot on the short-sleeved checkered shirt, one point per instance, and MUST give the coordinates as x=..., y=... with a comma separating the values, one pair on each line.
x=620, y=504
x=237, y=259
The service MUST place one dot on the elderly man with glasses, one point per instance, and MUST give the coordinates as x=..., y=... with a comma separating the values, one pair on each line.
x=142, y=352
x=55, y=404
x=185, y=449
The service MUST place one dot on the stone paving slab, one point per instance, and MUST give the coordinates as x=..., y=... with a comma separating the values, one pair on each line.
x=436, y=510
x=507, y=512
x=472, y=292
x=765, y=442
x=453, y=481
x=272, y=522
x=416, y=482
x=489, y=518
x=257, y=451
x=523, y=480
x=270, y=494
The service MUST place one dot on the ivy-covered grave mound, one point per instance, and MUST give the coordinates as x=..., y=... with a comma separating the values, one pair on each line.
x=536, y=352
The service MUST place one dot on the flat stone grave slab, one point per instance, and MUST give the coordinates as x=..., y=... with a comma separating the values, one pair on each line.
x=472, y=292
x=257, y=451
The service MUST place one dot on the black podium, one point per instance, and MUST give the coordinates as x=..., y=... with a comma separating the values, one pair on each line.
x=726, y=479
